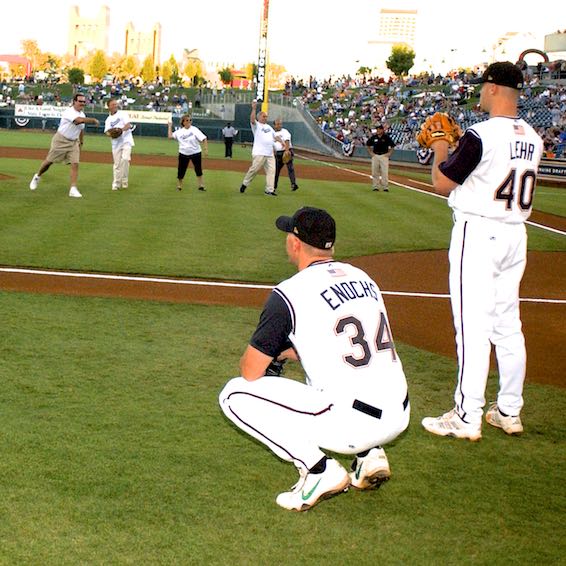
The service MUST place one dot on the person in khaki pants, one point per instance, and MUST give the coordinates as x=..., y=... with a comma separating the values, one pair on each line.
x=121, y=145
x=262, y=152
x=380, y=147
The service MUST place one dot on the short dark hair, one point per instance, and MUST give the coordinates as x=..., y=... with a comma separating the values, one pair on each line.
x=75, y=98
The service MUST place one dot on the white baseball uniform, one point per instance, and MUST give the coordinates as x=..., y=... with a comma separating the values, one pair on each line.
x=121, y=148
x=495, y=167
x=355, y=396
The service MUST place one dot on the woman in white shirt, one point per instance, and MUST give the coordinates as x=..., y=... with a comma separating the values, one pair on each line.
x=189, y=138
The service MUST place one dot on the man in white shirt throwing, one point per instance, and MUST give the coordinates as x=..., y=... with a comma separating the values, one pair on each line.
x=262, y=152
x=117, y=126
x=66, y=144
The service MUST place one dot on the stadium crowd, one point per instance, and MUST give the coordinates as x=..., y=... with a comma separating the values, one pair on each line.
x=348, y=109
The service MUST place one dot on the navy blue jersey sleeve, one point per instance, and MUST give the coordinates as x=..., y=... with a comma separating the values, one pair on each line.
x=465, y=159
x=271, y=337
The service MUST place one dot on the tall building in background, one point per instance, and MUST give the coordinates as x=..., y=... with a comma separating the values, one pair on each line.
x=394, y=27
x=88, y=34
x=397, y=26
x=141, y=44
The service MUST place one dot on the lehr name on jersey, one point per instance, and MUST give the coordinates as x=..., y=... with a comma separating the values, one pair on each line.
x=521, y=150
x=337, y=295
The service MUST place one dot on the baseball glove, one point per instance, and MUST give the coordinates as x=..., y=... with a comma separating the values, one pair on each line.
x=275, y=368
x=114, y=132
x=286, y=157
x=439, y=126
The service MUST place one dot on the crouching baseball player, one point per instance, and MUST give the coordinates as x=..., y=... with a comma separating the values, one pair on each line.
x=329, y=316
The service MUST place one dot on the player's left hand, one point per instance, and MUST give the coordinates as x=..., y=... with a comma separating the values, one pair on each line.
x=439, y=127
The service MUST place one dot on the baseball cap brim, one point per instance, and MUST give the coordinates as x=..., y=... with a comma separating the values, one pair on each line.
x=284, y=223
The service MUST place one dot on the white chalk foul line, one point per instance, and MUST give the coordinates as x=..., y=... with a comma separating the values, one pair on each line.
x=362, y=174
x=145, y=279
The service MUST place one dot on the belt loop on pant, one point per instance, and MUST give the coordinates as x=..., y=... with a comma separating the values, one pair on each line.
x=367, y=409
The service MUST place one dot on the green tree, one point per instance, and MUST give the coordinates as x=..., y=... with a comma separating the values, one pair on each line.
x=98, y=66
x=251, y=71
x=166, y=72
x=148, y=70
x=193, y=69
x=174, y=79
x=225, y=75
x=363, y=71
x=131, y=67
x=31, y=51
x=76, y=76
x=402, y=58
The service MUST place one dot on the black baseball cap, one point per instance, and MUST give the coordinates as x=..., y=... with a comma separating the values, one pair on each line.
x=314, y=226
x=503, y=73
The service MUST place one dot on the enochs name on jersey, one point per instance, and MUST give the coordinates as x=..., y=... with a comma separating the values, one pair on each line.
x=337, y=295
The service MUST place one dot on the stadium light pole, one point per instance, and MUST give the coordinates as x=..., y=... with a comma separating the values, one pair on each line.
x=263, y=59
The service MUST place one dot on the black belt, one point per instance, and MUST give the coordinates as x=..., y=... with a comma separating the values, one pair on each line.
x=374, y=411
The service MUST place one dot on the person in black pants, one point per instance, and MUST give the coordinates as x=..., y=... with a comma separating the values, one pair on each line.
x=283, y=147
x=229, y=133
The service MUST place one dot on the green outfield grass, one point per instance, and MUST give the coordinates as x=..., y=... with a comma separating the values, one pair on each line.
x=113, y=448
x=114, y=451
x=152, y=228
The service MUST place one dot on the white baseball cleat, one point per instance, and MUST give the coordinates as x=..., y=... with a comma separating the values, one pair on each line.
x=370, y=471
x=114, y=187
x=312, y=488
x=74, y=192
x=34, y=182
x=451, y=424
x=510, y=425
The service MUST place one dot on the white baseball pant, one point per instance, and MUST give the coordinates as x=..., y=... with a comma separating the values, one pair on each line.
x=487, y=261
x=296, y=420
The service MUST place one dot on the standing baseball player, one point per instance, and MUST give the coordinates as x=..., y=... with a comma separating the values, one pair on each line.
x=490, y=180
x=284, y=154
x=118, y=127
x=262, y=152
x=189, y=138
x=380, y=146
x=331, y=317
x=66, y=144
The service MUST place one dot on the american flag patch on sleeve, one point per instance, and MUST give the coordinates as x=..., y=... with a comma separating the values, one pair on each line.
x=518, y=129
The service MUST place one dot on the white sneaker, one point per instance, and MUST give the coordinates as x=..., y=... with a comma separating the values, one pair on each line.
x=312, y=488
x=74, y=192
x=510, y=425
x=370, y=471
x=34, y=182
x=114, y=187
x=450, y=424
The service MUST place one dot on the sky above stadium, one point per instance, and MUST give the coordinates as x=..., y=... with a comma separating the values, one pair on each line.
x=306, y=36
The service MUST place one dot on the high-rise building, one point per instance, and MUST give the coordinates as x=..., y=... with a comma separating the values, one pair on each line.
x=88, y=34
x=397, y=26
x=394, y=27
x=143, y=44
